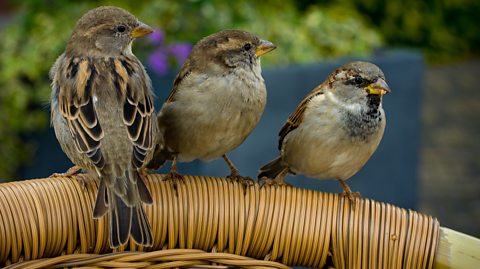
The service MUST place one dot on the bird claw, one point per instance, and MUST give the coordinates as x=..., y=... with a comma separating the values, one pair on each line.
x=246, y=182
x=70, y=173
x=347, y=192
x=174, y=177
x=272, y=182
x=352, y=196
x=80, y=178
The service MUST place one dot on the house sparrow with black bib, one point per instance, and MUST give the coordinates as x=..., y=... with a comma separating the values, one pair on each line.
x=217, y=100
x=103, y=116
x=334, y=130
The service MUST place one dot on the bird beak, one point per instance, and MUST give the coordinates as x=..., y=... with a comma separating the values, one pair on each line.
x=264, y=47
x=379, y=87
x=141, y=30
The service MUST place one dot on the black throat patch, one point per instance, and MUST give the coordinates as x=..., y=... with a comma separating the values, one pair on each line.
x=361, y=126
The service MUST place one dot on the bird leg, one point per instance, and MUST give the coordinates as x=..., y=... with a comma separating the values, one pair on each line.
x=347, y=192
x=73, y=171
x=235, y=175
x=69, y=173
x=173, y=175
x=278, y=180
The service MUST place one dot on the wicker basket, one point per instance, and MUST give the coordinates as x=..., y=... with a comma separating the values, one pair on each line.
x=213, y=223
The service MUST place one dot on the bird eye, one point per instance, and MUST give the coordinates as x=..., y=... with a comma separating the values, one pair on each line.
x=121, y=28
x=247, y=46
x=358, y=80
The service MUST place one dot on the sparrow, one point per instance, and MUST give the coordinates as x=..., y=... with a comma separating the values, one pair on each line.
x=217, y=100
x=103, y=116
x=334, y=130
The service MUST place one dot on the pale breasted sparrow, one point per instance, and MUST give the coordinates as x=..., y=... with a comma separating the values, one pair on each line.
x=217, y=99
x=335, y=129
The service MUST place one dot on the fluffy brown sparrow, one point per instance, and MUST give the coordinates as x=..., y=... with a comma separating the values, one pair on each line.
x=217, y=99
x=102, y=113
x=335, y=129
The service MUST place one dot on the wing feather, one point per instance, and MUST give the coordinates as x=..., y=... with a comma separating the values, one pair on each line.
x=138, y=111
x=184, y=72
x=77, y=107
x=296, y=117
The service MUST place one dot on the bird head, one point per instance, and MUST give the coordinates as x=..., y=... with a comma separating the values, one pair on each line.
x=230, y=49
x=106, y=31
x=358, y=82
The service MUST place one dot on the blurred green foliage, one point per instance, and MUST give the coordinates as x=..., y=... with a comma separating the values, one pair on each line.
x=446, y=30
x=300, y=36
x=39, y=32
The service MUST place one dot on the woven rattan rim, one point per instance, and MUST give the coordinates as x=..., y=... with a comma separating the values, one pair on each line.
x=212, y=223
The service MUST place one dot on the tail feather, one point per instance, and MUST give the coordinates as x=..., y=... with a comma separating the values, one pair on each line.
x=120, y=219
x=101, y=203
x=271, y=169
x=123, y=198
x=141, y=230
x=143, y=191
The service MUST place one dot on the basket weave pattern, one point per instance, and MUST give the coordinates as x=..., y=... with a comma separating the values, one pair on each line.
x=212, y=223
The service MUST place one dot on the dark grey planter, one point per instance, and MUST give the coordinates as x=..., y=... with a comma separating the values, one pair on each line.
x=391, y=175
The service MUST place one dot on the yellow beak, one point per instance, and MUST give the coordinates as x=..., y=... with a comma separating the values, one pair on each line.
x=379, y=87
x=141, y=30
x=264, y=47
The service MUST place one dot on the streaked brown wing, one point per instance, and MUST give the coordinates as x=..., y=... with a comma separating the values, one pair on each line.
x=137, y=116
x=297, y=116
x=77, y=107
x=138, y=110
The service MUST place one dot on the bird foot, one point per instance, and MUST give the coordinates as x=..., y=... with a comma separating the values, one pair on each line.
x=272, y=182
x=174, y=177
x=82, y=180
x=73, y=171
x=352, y=196
x=244, y=181
x=347, y=192
x=69, y=173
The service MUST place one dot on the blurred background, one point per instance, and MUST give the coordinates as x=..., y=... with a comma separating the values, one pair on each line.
x=429, y=159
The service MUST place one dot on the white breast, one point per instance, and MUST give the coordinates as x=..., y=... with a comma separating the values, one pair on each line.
x=321, y=148
x=214, y=115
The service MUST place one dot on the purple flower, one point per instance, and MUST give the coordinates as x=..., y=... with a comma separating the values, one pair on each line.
x=157, y=37
x=158, y=62
x=180, y=51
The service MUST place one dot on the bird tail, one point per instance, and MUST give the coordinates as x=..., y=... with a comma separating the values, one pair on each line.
x=124, y=205
x=272, y=169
